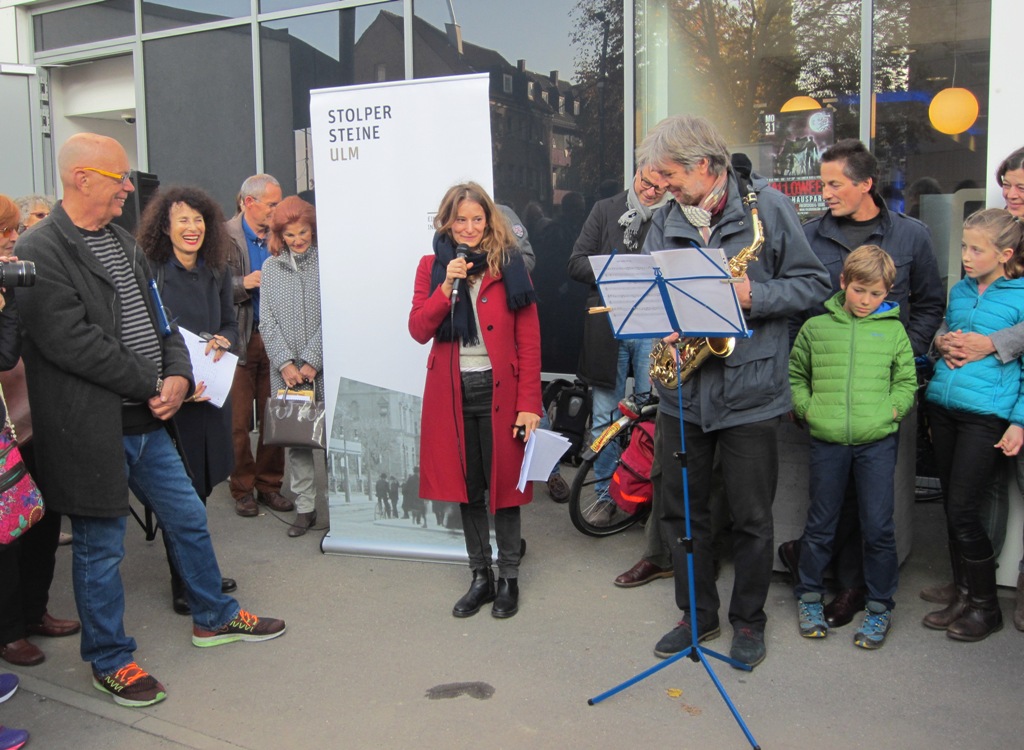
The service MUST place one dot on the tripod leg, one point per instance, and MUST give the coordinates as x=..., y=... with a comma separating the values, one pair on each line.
x=637, y=678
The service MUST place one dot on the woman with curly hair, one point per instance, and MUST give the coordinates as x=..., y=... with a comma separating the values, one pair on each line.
x=474, y=299
x=182, y=234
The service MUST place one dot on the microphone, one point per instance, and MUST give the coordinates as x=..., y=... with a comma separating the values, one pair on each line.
x=460, y=252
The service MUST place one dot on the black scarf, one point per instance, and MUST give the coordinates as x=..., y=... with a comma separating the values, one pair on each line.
x=518, y=289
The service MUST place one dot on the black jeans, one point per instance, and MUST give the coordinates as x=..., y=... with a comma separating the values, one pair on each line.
x=476, y=419
x=966, y=459
x=750, y=467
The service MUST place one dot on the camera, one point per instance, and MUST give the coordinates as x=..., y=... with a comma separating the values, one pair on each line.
x=18, y=273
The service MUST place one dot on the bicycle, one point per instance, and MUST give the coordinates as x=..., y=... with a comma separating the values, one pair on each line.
x=592, y=512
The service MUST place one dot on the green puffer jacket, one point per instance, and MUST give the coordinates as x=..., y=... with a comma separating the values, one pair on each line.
x=848, y=374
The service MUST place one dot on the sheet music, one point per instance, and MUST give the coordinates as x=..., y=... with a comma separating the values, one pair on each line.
x=696, y=283
x=625, y=286
x=217, y=376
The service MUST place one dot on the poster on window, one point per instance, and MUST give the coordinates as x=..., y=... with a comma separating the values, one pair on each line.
x=798, y=140
x=383, y=157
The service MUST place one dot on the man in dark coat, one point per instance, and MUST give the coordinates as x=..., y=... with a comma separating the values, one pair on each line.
x=734, y=404
x=247, y=251
x=106, y=372
x=619, y=224
x=381, y=488
x=857, y=216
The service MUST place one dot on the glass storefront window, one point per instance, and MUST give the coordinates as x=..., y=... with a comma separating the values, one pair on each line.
x=158, y=15
x=780, y=85
x=95, y=22
x=556, y=90
x=271, y=6
x=217, y=150
x=921, y=50
x=337, y=48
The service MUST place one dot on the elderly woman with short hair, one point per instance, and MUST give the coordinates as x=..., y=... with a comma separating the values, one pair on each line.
x=290, y=325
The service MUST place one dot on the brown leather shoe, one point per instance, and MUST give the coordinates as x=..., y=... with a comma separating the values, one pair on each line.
x=641, y=573
x=789, y=554
x=246, y=506
x=275, y=501
x=51, y=627
x=841, y=610
x=22, y=653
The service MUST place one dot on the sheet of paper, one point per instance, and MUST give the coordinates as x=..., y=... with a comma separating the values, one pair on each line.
x=697, y=282
x=627, y=287
x=701, y=294
x=217, y=376
x=543, y=450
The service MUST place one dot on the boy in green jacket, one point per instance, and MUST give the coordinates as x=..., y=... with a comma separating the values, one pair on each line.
x=853, y=379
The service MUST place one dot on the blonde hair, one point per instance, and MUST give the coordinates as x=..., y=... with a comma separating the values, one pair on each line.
x=1004, y=230
x=498, y=239
x=868, y=264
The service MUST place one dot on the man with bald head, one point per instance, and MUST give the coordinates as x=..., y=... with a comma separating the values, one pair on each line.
x=106, y=372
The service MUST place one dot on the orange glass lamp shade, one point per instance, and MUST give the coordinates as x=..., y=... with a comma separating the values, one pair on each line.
x=800, y=103
x=953, y=111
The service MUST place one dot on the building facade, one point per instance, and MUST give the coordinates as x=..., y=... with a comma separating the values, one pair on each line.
x=208, y=92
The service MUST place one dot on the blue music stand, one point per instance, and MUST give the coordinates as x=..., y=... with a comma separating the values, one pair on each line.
x=674, y=293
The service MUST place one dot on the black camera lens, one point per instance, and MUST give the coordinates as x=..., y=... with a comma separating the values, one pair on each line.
x=18, y=273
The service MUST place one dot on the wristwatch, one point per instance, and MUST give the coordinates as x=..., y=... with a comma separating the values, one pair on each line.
x=159, y=385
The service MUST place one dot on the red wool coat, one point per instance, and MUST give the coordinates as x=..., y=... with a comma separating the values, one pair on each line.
x=513, y=345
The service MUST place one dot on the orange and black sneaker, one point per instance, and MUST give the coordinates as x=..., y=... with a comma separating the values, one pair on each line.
x=244, y=627
x=131, y=685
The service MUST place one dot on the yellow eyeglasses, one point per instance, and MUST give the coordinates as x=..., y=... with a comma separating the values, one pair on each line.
x=122, y=178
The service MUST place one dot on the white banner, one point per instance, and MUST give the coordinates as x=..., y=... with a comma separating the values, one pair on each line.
x=384, y=155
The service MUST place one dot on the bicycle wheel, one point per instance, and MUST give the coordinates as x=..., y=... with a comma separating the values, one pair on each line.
x=594, y=515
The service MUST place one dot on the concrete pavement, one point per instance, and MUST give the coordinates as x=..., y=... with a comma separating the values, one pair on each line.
x=373, y=659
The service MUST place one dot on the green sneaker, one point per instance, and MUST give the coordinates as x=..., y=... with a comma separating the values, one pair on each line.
x=876, y=626
x=245, y=627
x=811, y=613
x=130, y=686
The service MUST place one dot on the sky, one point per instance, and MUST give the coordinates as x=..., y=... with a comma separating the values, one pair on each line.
x=535, y=30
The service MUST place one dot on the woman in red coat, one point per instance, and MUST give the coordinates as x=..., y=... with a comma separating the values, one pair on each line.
x=482, y=400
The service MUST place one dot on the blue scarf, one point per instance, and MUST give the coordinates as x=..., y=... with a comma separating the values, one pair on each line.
x=461, y=324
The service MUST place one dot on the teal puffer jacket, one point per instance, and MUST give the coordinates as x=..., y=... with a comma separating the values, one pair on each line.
x=987, y=386
x=848, y=375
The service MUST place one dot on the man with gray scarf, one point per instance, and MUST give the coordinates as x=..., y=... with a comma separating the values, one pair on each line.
x=619, y=223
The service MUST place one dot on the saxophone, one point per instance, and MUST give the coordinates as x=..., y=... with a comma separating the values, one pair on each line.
x=693, y=351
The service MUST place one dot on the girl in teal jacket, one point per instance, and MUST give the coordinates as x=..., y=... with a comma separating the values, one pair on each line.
x=975, y=413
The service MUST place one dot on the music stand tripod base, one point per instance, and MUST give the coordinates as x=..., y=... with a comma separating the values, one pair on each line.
x=694, y=651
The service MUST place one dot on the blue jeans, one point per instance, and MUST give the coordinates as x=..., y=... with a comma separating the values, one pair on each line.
x=157, y=477
x=872, y=467
x=605, y=401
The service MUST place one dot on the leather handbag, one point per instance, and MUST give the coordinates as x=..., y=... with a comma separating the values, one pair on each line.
x=294, y=420
x=21, y=503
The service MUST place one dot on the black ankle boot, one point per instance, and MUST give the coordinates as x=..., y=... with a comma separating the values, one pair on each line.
x=480, y=592
x=506, y=601
x=178, y=599
x=982, y=617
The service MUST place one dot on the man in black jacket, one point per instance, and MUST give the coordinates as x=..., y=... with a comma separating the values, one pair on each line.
x=106, y=372
x=619, y=224
x=856, y=216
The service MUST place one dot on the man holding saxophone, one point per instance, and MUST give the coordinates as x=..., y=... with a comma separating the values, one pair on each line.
x=732, y=403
